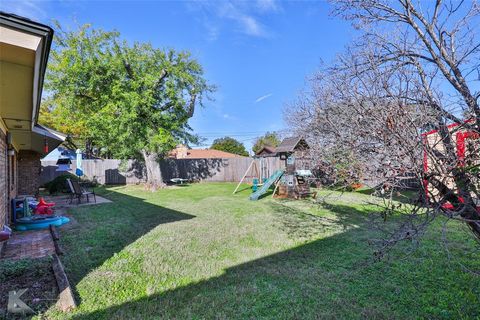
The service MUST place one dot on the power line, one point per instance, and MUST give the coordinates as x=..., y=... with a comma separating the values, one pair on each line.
x=208, y=144
x=243, y=135
x=207, y=132
x=229, y=134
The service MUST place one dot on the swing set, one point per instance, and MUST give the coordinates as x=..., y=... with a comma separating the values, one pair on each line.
x=290, y=181
x=259, y=171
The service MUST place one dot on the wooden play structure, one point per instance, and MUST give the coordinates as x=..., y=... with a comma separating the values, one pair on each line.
x=294, y=183
x=291, y=180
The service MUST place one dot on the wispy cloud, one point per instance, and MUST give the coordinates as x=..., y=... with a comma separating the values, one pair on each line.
x=25, y=8
x=252, y=27
x=212, y=31
x=263, y=97
x=268, y=5
x=246, y=22
x=228, y=116
x=244, y=16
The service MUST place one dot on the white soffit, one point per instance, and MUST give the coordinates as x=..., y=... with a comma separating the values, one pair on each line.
x=19, y=39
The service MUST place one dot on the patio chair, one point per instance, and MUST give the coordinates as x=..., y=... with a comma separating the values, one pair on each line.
x=77, y=191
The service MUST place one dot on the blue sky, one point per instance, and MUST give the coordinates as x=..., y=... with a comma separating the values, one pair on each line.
x=258, y=53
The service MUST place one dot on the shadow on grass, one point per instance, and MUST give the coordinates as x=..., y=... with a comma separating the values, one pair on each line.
x=404, y=196
x=283, y=285
x=180, y=185
x=243, y=189
x=302, y=224
x=366, y=191
x=266, y=194
x=99, y=232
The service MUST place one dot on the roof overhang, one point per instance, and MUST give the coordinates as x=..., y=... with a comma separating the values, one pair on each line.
x=42, y=135
x=290, y=145
x=37, y=138
x=24, y=50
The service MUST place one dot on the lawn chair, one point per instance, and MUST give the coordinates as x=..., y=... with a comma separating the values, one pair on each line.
x=77, y=191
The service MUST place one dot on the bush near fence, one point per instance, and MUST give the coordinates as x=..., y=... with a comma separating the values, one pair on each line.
x=113, y=171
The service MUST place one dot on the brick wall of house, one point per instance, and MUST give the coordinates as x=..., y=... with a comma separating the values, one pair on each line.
x=19, y=174
x=29, y=167
x=13, y=166
x=3, y=180
x=12, y=182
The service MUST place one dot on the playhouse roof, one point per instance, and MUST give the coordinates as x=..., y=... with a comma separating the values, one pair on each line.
x=291, y=144
x=266, y=151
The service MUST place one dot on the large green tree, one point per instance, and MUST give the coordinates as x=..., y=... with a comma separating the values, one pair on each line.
x=122, y=100
x=270, y=139
x=231, y=145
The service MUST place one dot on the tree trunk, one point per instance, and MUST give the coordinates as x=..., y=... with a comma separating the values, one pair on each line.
x=154, y=174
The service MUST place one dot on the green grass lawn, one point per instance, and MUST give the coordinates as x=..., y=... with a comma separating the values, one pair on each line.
x=198, y=251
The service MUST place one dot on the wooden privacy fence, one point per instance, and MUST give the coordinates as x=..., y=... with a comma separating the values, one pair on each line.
x=132, y=172
x=103, y=171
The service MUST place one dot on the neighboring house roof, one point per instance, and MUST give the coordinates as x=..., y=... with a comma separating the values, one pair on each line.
x=266, y=151
x=61, y=152
x=210, y=153
x=24, y=50
x=292, y=144
x=182, y=152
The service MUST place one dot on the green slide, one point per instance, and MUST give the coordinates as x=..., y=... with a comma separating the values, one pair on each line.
x=276, y=175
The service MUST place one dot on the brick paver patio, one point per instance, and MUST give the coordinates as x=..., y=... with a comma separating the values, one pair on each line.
x=29, y=244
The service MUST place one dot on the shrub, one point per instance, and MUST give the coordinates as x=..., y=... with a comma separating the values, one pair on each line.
x=59, y=184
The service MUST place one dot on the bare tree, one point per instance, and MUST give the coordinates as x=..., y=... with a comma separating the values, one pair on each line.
x=399, y=99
